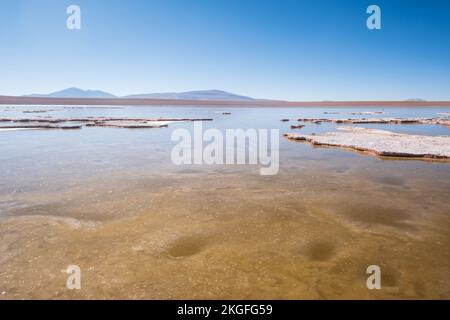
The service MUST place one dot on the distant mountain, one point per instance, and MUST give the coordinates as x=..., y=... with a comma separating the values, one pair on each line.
x=75, y=93
x=193, y=95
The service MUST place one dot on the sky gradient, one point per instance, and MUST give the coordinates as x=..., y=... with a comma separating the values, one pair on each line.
x=291, y=50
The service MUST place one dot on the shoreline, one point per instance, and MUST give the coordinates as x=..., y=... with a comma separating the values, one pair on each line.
x=19, y=101
x=381, y=143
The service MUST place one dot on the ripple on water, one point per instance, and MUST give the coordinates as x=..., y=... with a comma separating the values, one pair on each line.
x=392, y=181
x=372, y=215
x=320, y=250
x=187, y=246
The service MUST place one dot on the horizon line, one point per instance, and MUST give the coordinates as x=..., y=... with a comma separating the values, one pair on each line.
x=24, y=100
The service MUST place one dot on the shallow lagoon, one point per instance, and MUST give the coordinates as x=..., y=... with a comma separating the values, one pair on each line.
x=111, y=201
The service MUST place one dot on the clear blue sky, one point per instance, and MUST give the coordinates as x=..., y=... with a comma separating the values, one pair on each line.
x=294, y=50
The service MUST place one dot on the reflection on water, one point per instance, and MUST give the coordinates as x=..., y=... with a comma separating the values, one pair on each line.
x=110, y=201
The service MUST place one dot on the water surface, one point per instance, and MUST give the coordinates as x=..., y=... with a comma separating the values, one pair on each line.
x=112, y=202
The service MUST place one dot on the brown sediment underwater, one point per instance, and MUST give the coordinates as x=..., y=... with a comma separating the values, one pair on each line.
x=111, y=202
x=304, y=234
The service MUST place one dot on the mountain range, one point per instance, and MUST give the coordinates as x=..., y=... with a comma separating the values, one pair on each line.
x=218, y=95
